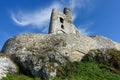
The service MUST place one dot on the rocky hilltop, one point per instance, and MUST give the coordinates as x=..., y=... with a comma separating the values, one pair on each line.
x=44, y=55
x=72, y=46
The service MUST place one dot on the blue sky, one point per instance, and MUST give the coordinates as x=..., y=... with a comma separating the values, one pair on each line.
x=91, y=17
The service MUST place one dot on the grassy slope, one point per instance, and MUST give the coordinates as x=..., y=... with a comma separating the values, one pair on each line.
x=19, y=77
x=90, y=71
x=82, y=71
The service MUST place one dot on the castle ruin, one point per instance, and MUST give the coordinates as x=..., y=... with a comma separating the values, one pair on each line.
x=62, y=22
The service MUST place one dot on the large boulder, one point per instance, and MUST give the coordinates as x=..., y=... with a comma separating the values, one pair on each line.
x=6, y=66
x=45, y=55
x=73, y=46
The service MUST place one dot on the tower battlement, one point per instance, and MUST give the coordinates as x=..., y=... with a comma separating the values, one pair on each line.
x=68, y=14
x=62, y=22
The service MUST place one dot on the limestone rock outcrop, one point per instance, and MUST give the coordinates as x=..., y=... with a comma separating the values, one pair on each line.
x=68, y=45
x=45, y=54
x=103, y=42
x=6, y=66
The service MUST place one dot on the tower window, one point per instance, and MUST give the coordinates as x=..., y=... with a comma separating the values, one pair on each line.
x=61, y=20
x=62, y=26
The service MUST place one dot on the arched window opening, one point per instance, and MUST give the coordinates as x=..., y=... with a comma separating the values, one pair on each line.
x=61, y=20
x=62, y=26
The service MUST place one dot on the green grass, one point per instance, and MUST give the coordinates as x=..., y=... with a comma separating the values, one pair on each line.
x=19, y=77
x=89, y=71
x=80, y=71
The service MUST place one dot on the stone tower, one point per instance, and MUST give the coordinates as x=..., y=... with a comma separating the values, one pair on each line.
x=62, y=22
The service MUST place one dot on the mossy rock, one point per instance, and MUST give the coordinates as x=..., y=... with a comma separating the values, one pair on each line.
x=109, y=57
x=1, y=55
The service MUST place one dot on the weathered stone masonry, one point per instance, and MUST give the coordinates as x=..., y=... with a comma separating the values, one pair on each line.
x=62, y=22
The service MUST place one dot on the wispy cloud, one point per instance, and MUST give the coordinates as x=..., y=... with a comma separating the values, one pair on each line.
x=84, y=29
x=40, y=18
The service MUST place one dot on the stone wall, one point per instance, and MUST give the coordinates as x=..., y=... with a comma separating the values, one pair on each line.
x=61, y=22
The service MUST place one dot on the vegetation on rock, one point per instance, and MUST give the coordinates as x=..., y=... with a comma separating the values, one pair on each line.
x=81, y=71
x=19, y=77
x=89, y=71
x=109, y=57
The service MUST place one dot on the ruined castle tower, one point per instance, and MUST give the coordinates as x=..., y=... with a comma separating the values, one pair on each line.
x=62, y=22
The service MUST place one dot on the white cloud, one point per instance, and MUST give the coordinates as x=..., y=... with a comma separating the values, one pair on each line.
x=40, y=18
x=74, y=5
x=83, y=29
x=71, y=3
